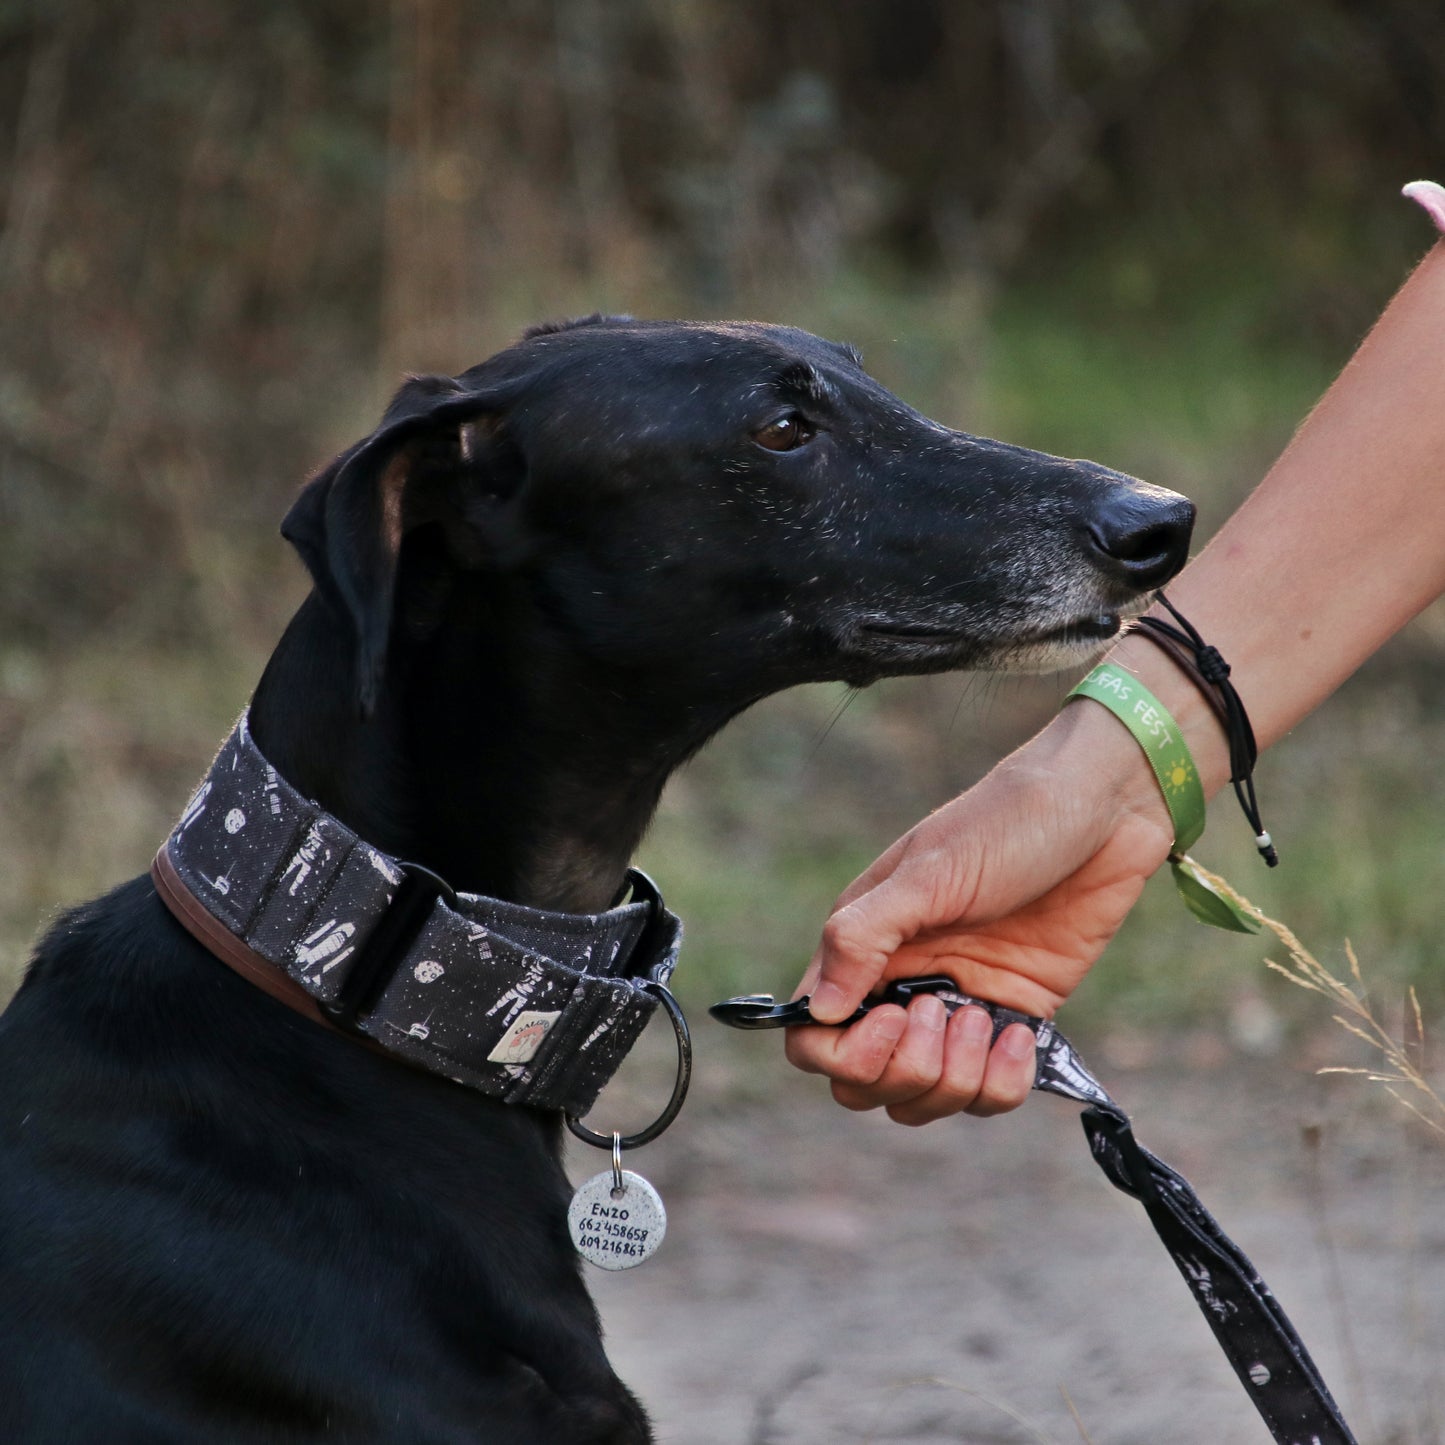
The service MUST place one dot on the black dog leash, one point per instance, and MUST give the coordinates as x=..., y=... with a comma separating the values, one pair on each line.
x=1254, y=1332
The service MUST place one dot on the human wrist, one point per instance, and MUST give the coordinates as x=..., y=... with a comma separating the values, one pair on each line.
x=1105, y=768
x=1102, y=744
x=1152, y=727
x=1185, y=703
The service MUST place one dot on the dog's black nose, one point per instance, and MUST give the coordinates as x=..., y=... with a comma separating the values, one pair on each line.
x=1142, y=538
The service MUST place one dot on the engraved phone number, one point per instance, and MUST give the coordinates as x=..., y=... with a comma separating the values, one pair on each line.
x=596, y=1245
x=614, y=1232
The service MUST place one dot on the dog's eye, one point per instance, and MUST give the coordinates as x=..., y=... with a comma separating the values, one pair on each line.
x=786, y=434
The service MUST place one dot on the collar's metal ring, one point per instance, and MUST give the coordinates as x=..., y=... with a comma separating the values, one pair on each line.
x=679, y=1088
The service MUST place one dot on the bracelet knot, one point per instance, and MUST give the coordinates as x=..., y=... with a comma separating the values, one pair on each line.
x=1212, y=666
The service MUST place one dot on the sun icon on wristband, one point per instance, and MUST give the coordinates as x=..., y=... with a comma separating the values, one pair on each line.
x=1179, y=774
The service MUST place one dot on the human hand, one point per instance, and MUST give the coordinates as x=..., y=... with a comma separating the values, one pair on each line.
x=1013, y=889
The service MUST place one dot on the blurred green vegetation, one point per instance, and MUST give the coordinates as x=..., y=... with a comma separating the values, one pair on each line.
x=1147, y=233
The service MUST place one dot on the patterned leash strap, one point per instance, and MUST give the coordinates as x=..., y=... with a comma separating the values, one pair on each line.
x=1254, y=1332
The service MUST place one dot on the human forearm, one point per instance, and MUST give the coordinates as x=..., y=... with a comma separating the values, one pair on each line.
x=1339, y=546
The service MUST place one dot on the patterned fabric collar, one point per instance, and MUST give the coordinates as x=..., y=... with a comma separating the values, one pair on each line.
x=529, y=1006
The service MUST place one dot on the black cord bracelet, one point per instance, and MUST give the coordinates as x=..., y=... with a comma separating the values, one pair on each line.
x=1204, y=666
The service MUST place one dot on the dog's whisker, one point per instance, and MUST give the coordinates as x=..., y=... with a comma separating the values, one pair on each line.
x=844, y=703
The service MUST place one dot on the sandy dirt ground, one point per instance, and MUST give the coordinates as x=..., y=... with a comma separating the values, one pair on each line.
x=830, y=1277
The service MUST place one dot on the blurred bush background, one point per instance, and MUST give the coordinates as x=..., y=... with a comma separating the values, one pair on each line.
x=1148, y=231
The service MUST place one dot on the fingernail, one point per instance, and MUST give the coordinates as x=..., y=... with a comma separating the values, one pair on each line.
x=930, y=1012
x=977, y=1026
x=1432, y=197
x=828, y=1003
x=890, y=1024
x=1018, y=1041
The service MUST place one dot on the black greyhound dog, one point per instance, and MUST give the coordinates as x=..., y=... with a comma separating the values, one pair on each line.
x=539, y=587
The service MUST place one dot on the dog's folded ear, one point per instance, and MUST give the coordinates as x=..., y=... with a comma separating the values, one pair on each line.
x=349, y=520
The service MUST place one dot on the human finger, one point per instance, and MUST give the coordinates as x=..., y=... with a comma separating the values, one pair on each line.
x=914, y=1067
x=1009, y=1074
x=965, y=1060
x=857, y=1054
x=861, y=937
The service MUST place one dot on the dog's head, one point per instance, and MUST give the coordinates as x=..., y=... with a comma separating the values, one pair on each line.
x=740, y=505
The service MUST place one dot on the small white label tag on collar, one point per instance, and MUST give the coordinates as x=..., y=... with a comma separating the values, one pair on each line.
x=524, y=1038
x=616, y=1226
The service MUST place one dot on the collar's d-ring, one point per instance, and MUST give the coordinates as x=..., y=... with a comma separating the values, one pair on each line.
x=616, y=1141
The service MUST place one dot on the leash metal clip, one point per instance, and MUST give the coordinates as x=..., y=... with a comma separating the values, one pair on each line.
x=762, y=1011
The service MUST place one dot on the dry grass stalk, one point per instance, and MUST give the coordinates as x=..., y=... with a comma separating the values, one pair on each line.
x=1399, y=1070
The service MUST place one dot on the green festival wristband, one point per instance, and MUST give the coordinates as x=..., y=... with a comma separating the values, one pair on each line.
x=1156, y=732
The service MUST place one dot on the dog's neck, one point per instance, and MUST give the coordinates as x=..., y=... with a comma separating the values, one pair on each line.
x=491, y=757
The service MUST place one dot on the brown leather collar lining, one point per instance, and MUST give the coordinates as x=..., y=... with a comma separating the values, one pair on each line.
x=217, y=939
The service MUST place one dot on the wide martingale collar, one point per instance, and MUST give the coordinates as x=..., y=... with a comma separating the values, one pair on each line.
x=529, y=1006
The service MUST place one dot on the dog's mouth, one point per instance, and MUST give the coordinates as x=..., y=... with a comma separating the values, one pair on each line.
x=1055, y=648
x=1099, y=627
x=909, y=645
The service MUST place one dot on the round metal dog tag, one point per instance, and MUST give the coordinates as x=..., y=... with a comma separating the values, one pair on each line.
x=617, y=1220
